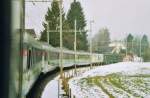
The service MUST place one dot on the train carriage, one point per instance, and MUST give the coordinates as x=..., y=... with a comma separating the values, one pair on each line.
x=33, y=56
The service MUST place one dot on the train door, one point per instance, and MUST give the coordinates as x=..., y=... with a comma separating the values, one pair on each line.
x=29, y=61
x=43, y=61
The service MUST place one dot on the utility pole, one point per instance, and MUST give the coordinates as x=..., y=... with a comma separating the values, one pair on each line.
x=126, y=45
x=61, y=41
x=91, y=42
x=75, y=44
x=132, y=46
x=48, y=29
x=140, y=48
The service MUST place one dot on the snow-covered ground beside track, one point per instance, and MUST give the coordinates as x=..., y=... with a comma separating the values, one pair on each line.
x=120, y=80
x=51, y=89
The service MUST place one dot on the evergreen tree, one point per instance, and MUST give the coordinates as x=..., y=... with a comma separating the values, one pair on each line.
x=144, y=43
x=145, y=48
x=52, y=18
x=76, y=13
x=130, y=43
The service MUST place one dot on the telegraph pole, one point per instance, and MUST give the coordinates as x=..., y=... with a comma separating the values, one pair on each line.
x=75, y=44
x=91, y=42
x=140, y=48
x=126, y=45
x=61, y=41
x=132, y=46
x=48, y=29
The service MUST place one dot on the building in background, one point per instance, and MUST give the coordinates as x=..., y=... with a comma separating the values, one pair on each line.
x=31, y=32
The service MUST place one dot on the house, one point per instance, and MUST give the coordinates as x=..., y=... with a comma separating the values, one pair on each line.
x=137, y=59
x=132, y=58
x=31, y=32
x=128, y=57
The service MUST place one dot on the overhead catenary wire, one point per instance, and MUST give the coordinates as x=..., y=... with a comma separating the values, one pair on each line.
x=38, y=0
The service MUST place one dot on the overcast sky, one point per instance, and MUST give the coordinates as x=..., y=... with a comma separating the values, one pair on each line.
x=119, y=16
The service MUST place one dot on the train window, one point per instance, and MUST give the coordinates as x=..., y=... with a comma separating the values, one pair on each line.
x=29, y=60
x=32, y=57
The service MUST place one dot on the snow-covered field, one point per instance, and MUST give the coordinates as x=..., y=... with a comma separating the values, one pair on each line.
x=53, y=88
x=120, y=80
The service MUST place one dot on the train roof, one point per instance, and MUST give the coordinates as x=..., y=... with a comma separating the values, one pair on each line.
x=28, y=39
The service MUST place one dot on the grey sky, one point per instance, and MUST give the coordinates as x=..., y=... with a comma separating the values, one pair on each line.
x=119, y=16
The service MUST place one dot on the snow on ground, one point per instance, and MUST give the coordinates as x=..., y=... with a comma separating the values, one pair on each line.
x=120, y=80
x=124, y=67
x=51, y=89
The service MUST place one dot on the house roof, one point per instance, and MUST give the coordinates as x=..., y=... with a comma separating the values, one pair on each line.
x=31, y=32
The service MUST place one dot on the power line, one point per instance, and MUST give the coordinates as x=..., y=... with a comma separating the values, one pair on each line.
x=38, y=0
x=68, y=31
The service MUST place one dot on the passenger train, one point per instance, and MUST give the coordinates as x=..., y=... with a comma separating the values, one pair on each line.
x=40, y=58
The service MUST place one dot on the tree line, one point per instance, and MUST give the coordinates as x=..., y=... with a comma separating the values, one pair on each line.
x=133, y=44
x=138, y=46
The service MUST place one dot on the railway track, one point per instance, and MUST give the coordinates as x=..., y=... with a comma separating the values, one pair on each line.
x=39, y=85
